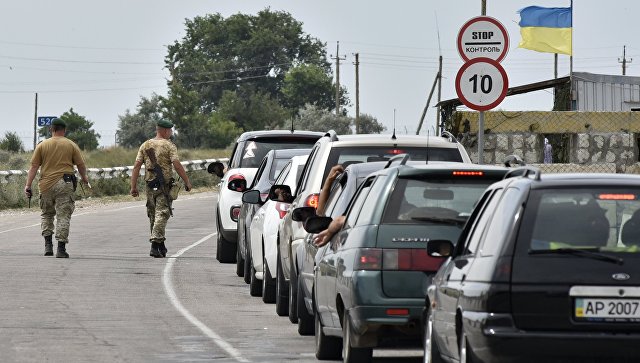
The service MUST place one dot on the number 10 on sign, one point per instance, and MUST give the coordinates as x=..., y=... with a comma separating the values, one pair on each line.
x=481, y=84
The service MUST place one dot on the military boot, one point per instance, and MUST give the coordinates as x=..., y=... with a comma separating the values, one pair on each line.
x=48, y=245
x=163, y=249
x=62, y=251
x=155, y=250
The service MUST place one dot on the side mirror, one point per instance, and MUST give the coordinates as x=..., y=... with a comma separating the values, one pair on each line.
x=280, y=193
x=251, y=197
x=316, y=224
x=237, y=185
x=216, y=168
x=301, y=214
x=439, y=248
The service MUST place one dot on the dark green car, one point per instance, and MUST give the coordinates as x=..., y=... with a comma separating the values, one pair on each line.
x=371, y=279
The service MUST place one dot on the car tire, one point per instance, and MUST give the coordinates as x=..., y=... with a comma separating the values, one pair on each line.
x=293, y=301
x=268, y=284
x=255, y=285
x=282, y=290
x=464, y=351
x=225, y=250
x=431, y=351
x=248, y=263
x=305, y=320
x=352, y=354
x=326, y=347
x=239, y=264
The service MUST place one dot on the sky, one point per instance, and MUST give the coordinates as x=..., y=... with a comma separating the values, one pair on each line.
x=101, y=57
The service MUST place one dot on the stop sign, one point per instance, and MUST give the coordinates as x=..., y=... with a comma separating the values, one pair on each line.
x=483, y=36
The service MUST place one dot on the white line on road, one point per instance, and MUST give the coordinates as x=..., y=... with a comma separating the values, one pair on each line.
x=168, y=287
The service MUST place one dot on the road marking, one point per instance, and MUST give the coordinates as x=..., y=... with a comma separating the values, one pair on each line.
x=168, y=288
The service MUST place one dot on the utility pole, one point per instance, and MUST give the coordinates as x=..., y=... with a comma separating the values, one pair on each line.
x=338, y=59
x=624, y=60
x=35, y=123
x=357, y=63
x=439, y=127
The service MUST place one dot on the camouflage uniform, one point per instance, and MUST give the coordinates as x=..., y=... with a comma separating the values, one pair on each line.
x=59, y=202
x=158, y=209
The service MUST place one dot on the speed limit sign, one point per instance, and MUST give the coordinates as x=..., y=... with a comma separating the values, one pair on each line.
x=481, y=84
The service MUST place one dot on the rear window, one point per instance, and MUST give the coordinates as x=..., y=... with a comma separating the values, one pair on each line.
x=276, y=168
x=604, y=219
x=352, y=155
x=255, y=150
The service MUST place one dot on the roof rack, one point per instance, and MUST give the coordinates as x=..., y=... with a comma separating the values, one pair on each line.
x=524, y=172
x=450, y=136
x=333, y=136
x=400, y=159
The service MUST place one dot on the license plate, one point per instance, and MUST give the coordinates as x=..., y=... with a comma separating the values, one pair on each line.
x=605, y=309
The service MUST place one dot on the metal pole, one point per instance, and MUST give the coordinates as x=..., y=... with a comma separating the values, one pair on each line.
x=357, y=93
x=481, y=138
x=35, y=123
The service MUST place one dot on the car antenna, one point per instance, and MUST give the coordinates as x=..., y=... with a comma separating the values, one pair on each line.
x=428, y=134
x=393, y=137
x=292, y=125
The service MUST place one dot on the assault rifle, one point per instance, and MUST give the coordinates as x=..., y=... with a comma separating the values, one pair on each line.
x=158, y=181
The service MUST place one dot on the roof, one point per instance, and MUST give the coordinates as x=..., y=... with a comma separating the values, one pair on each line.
x=387, y=140
x=420, y=168
x=272, y=133
x=289, y=153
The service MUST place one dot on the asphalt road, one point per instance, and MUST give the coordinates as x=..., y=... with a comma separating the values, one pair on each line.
x=111, y=302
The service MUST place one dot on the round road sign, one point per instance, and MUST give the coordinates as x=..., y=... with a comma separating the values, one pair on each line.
x=481, y=84
x=483, y=36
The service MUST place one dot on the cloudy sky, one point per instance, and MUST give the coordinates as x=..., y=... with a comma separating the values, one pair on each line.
x=100, y=57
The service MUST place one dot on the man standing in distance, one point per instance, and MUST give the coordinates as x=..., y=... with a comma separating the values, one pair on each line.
x=160, y=157
x=57, y=156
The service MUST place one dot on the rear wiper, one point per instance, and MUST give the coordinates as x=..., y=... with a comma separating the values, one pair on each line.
x=589, y=253
x=452, y=221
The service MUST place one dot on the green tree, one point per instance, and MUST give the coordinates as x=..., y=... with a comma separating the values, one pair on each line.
x=11, y=142
x=256, y=111
x=136, y=128
x=310, y=84
x=369, y=125
x=78, y=129
x=315, y=119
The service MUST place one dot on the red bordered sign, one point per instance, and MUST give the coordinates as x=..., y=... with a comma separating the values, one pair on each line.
x=483, y=37
x=481, y=84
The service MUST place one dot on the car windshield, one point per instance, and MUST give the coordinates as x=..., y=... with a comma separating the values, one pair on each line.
x=605, y=220
x=255, y=150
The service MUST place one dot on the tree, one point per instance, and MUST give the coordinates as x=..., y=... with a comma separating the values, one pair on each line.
x=256, y=111
x=11, y=142
x=134, y=129
x=314, y=119
x=79, y=130
x=369, y=125
x=310, y=84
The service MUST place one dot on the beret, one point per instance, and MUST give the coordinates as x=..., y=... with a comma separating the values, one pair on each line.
x=165, y=123
x=59, y=122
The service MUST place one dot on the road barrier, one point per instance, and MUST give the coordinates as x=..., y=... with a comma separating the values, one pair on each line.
x=8, y=176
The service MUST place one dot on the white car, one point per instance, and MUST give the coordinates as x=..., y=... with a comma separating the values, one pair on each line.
x=248, y=152
x=264, y=230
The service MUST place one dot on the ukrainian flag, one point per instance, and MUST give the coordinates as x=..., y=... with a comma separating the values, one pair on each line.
x=546, y=29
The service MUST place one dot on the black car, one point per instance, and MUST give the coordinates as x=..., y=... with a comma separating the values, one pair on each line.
x=269, y=168
x=546, y=269
x=371, y=281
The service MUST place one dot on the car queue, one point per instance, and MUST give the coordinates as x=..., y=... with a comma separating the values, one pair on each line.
x=436, y=252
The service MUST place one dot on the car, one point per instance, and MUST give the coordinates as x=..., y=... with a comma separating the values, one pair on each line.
x=342, y=190
x=264, y=227
x=248, y=151
x=547, y=269
x=266, y=174
x=334, y=149
x=371, y=281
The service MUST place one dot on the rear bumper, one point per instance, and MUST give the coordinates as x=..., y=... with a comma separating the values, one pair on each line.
x=495, y=338
x=373, y=327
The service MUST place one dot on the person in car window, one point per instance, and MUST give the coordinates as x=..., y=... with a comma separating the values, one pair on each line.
x=335, y=171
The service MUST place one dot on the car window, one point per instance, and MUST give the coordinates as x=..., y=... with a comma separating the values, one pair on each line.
x=234, y=161
x=276, y=167
x=259, y=172
x=471, y=245
x=255, y=150
x=370, y=205
x=283, y=173
x=357, y=202
x=307, y=168
x=504, y=218
x=337, y=188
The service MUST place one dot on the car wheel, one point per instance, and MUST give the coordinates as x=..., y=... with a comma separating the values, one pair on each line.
x=326, y=347
x=239, y=263
x=282, y=291
x=248, y=262
x=351, y=354
x=268, y=284
x=226, y=250
x=464, y=351
x=431, y=351
x=305, y=320
x=293, y=294
x=255, y=285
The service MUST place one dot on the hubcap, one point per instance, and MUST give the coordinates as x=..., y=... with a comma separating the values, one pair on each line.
x=428, y=341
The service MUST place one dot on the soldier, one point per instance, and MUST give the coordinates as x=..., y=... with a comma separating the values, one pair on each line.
x=57, y=156
x=158, y=156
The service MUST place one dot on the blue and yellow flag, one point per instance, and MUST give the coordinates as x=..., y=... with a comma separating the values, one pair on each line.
x=546, y=29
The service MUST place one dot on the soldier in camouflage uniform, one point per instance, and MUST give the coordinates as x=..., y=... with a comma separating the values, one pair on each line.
x=57, y=156
x=158, y=198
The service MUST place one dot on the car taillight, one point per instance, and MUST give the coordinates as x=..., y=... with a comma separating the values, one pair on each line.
x=467, y=173
x=409, y=259
x=282, y=209
x=235, y=212
x=263, y=196
x=368, y=259
x=396, y=312
x=312, y=200
x=236, y=186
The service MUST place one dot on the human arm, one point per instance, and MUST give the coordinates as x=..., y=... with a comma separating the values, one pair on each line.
x=325, y=236
x=326, y=188
x=82, y=170
x=134, y=178
x=183, y=174
x=31, y=174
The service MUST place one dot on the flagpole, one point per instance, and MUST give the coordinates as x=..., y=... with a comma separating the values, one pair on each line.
x=571, y=62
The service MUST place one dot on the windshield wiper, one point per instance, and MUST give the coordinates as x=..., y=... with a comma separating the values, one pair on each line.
x=589, y=253
x=452, y=221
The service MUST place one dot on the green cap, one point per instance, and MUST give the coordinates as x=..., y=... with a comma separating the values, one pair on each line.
x=58, y=122
x=165, y=123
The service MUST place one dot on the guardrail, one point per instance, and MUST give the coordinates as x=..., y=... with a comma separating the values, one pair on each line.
x=7, y=176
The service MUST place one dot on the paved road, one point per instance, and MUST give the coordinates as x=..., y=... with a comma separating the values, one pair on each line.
x=111, y=302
